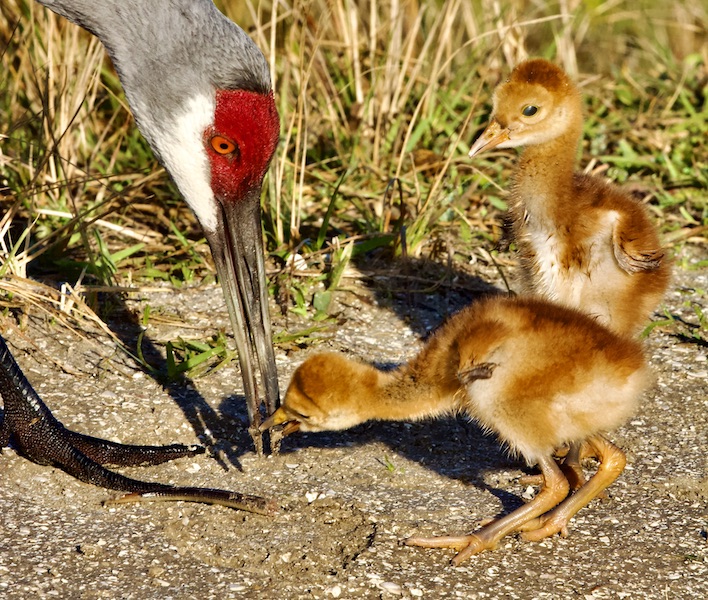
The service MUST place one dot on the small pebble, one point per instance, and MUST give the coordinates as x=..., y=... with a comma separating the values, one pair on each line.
x=297, y=262
x=528, y=493
x=156, y=571
x=391, y=588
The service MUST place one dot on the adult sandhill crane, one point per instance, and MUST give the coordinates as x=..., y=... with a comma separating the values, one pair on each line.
x=200, y=91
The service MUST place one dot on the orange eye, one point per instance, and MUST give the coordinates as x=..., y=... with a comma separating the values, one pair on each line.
x=222, y=145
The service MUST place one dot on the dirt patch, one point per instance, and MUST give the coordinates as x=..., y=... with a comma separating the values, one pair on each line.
x=318, y=539
x=348, y=498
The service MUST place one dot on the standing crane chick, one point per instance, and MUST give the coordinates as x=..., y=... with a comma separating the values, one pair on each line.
x=583, y=242
x=538, y=374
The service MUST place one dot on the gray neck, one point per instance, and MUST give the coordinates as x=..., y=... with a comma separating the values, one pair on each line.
x=166, y=51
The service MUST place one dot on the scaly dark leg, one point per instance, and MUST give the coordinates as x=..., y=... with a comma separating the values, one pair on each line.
x=40, y=437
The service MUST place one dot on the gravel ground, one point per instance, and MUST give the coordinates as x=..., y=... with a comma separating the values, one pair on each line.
x=348, y=498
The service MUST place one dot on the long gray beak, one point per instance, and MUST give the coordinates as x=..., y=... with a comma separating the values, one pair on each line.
x=237, y=247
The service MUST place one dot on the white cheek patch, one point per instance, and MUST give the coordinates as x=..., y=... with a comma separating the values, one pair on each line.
x=181, y=147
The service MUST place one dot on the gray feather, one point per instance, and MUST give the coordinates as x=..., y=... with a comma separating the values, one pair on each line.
x=166, y=51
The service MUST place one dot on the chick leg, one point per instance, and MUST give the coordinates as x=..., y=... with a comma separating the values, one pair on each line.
x=612, y=462
x=570, y=464
x=555, y=489
x=572, y=468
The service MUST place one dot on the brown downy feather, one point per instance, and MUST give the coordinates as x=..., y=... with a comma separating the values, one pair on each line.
x=538, y=374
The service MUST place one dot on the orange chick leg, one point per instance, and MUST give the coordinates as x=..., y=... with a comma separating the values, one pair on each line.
x=572, y=465
x=612, y=462
x=555, y=489
x=569, y=460
x=572, y=468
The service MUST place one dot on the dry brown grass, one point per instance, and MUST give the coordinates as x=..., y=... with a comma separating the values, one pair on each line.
x=368, y=93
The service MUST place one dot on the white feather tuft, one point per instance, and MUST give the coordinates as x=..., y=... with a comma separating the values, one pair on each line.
x=182, y=150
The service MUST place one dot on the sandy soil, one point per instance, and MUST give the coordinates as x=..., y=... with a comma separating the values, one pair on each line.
x=347, y=499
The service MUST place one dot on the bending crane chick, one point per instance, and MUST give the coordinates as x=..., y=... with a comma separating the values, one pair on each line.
x=537, y=374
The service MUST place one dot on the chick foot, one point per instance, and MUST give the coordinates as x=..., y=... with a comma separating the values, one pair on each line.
x=612, y=462
x=554, y=490
x=467, y=545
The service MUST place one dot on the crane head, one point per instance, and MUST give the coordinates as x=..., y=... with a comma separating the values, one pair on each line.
x=237, y=145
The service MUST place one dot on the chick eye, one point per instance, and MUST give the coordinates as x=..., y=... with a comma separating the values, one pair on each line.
x=529, y=110
x=222, y=145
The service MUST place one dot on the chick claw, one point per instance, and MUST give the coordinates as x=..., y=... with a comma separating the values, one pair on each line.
x=467, y=545
x=542, y=527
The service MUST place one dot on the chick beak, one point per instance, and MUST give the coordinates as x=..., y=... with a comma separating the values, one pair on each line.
x=280, y=417
x=237, y=247
x=491, y=137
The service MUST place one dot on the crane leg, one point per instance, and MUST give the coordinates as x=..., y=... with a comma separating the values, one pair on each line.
x=39, y=436
x=612, y=462
x=554, y=490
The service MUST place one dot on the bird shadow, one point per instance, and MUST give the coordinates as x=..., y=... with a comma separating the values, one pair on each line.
x=223, y=434
x=454, y=448
x=422, y=293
